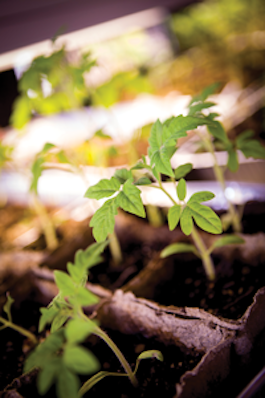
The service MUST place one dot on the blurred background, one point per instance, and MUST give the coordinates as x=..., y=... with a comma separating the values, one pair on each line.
x=91, y=78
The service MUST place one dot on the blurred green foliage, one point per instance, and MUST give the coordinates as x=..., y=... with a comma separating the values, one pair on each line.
x=121, y=86
x=229, y=33
x=51, y=84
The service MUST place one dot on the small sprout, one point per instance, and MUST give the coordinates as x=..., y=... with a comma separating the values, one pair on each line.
x=7, y=306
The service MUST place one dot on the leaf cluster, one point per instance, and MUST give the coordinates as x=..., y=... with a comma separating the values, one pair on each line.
x=66, y=82
x=244, y=142
x=203, y=215
x=60, y=358
x=72, y=294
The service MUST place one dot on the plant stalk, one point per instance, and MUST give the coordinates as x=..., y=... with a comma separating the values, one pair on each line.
x=19, y=329
x=100, y=333
x=46, y=224
x=115, y=249
x=205, y=256
x=236, y=223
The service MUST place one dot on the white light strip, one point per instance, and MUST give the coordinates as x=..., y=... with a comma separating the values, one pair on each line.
x=87, y=36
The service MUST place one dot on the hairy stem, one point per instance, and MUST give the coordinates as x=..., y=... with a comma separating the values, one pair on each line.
x=19, y=329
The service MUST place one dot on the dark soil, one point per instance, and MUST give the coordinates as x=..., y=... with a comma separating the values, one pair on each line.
x=228, y=296
x=154, y=377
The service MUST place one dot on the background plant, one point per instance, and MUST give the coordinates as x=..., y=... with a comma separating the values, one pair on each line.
x=217, y=136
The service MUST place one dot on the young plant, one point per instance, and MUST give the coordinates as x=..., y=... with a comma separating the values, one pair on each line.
x=61, y=357
x=244, y=142
x=38, y=166
x=8, y=323
x=123, y=192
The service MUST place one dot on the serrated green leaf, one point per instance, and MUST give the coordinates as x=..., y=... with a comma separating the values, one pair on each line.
x=205, y=218
x=77, y=330
x=103, y=189
x=155, y=140
x=173, y=216
x=58, y=321
x=44, y=352
x=129, y=199
x=161, y=162
x=175, y=248
x=47, y=316
x=182, y=170
x=245, y=136
x=202, y=196
x=84, y=297
x=143, y=181
x=64, y=283
x=199, y=107
x=232, y=161
x=181, y=189
x=80, y=360
x=217, y=130
x=123, y=175
x=103, y=221
x=186, y=223
x=138, y=166
x=253, y=149
x=228, y=240
x=48, y=375
x=91, y=256
x=68, y=384
x=179, y=125
x=76, y=274
x=209, y=90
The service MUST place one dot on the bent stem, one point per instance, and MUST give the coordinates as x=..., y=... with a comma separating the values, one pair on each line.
x=95, y=379
x=99, y=332
x=20, y=329
x=235, y=218
x=46, y=224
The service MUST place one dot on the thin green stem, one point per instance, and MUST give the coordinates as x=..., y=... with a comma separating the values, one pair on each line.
x=204, y=254
x=219, y=175
x=99, y=332
x=19, y=329
x=46, y=224
x=95, y=379
x=115, y=249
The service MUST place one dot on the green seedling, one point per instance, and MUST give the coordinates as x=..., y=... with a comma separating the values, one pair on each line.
x=39, y=165
x=8, y=323
x=61, y=357
x=123, y=191
x=50, y=85
x=244, y=142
